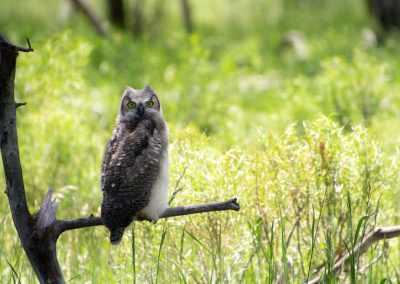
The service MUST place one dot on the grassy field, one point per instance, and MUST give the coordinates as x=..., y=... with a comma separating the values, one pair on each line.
x=307, y=142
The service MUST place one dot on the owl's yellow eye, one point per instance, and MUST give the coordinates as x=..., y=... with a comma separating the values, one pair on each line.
x=131, y=105
x=149, y=104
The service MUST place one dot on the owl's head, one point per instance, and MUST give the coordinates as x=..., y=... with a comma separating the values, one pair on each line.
x=135, y=103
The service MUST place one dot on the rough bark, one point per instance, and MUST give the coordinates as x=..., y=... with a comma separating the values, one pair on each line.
x=138, y=18
x=38, y=245
x=39, y=232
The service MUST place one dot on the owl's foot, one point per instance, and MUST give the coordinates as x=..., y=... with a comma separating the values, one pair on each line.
x=116, y=235
x=142, y=217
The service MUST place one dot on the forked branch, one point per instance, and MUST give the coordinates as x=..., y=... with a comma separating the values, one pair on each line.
x=5, y=44
x=39, y=232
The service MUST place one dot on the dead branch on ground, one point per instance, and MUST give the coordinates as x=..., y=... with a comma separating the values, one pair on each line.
x=378, y=234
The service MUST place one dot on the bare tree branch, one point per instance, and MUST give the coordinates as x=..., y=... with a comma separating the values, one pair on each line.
x=378, y=234
x=19, y=104
x=39, y=232
x=91, y=17
x=202, y=208
x=6, y=44
x=91, y=221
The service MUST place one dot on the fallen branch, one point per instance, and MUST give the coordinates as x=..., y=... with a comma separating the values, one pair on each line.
x=39, y=232
x=378, y=234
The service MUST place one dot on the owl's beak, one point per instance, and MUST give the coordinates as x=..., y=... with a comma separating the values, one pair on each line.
x=140, y=110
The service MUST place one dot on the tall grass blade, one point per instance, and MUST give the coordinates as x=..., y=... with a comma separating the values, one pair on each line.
x=313, y=237
x=177, y=189
x=199, y=242
x=181, y=257
x=358, y=229
x=133, y=246
x=350, y=249
x=271, y=263
x=13, y=270
x=283, y=247
x=72, y=278
x=163, y=235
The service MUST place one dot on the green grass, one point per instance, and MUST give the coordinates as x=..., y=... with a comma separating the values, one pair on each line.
x=309, y=146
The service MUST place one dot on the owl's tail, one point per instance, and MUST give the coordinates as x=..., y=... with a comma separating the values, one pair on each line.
x=116, y=235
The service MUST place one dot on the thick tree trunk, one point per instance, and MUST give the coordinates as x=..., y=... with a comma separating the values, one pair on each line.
x=187, y=15
x=116, y=12
x=39, y=247
x=138, y=20
x=42, y=255
x=386, y=12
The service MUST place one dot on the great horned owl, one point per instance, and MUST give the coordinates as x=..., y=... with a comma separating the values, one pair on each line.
x=135, y=169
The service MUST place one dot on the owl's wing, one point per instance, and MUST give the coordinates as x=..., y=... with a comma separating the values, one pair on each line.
x=110, y=150
x=133, y=169
x=106, y=161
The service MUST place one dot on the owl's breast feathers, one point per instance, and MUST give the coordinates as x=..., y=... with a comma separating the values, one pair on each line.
x=131, y=165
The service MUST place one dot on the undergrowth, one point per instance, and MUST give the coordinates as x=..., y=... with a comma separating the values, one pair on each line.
x=308, y=145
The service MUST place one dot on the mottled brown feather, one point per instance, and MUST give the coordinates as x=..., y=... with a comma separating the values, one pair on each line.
x=129, y=165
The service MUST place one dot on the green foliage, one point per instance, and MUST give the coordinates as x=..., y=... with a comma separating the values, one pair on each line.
x=308, y=145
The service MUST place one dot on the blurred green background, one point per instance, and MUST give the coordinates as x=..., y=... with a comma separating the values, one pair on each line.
x=290, y=105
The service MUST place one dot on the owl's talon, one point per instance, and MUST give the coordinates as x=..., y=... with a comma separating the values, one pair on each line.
x=141, y=218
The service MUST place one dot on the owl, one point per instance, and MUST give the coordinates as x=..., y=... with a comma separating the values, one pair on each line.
x=135, y=168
